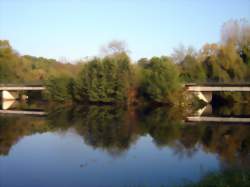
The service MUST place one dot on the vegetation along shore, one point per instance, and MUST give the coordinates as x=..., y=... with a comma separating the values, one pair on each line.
x=114, y=79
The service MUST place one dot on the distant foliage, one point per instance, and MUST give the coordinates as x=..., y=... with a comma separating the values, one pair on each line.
x=15, y=68
x=8, y=61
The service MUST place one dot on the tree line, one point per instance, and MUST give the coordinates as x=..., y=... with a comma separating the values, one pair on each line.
x=113, y=78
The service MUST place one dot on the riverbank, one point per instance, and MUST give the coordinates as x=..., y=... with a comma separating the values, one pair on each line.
x=228, y=178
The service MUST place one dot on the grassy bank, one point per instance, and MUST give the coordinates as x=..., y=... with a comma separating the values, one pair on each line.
x=229, y=178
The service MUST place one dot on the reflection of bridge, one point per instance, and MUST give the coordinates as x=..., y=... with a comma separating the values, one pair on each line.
x=23, y=112
x=205, y=114
x=7, y=91
x=204, y=91
x=8, y=105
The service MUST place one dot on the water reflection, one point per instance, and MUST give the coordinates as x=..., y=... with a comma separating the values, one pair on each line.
x=116, y=129
x=119, y=132
x=6, y=104
x=21, y=108
x=236, y=113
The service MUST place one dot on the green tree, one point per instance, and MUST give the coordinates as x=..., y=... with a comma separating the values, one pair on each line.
x=59, y=89
x=8, y=63
x=106, y=80
x=192, y=70
x=237, y=33
x=223, y=63
x=160, y=81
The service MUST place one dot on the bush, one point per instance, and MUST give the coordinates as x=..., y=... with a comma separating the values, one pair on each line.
x=160, y=80
x=59, y=89
x=106, y=80
x=192, y=70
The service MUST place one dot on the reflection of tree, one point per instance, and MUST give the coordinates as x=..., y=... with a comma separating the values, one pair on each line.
x=114, y=129
x=235, y=109
x=165, y=126
x=13, y=129
x=188, y=142
x=232, y=143
x=107, y=127
x=161, y=123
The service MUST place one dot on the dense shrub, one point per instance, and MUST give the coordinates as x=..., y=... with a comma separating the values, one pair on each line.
x=59, y=89
x=160, y=80
x=106, y=80
x=192, y=70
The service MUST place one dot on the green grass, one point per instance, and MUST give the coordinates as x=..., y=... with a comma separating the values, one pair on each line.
x=230, y=178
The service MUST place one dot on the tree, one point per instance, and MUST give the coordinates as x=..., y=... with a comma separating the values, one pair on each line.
x=192, y=70
x=115, y=47
x=160, y=81
x=58, y=89
x=106, y=80
x=181, y=52
x=8, y=62
x=237, y=33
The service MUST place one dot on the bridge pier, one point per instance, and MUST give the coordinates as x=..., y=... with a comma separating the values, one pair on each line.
x=204, y=96
x=6, y=95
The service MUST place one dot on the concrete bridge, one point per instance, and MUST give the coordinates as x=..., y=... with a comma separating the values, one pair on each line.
x=8, y=91
x=205, y=91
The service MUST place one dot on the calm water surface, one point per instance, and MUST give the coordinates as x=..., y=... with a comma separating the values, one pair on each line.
x=107, y=146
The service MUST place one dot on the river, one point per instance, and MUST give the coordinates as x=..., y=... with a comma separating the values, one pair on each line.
x=106, y=146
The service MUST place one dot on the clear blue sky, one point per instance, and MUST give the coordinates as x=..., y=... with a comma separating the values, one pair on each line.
x=74, y=29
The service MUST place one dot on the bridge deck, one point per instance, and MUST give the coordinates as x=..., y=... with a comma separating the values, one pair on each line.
x=17, y=88
x=218, y=87
x=226, y=84
x=217, y=119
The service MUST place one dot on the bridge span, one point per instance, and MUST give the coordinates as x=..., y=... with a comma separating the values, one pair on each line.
x=7, y=90
x=13, y=87
x=204, y=91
